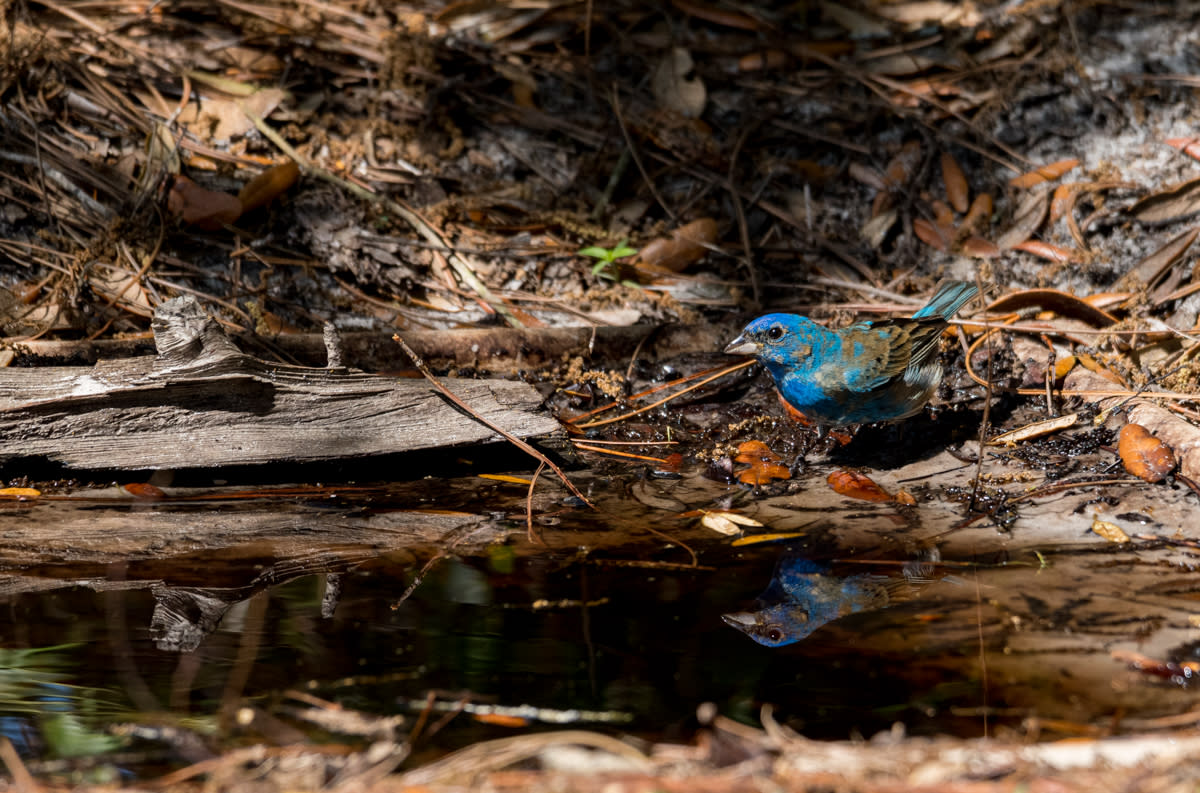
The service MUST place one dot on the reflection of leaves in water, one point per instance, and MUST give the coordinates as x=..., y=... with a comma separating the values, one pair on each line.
x=34, y=695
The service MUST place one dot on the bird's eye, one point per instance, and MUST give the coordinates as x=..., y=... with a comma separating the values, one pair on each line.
x=774, y=634
x=775, y=332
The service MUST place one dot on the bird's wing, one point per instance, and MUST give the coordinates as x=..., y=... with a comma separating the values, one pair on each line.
x=877, y=352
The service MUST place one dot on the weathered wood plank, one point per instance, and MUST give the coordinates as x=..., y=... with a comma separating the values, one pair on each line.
x=201, y=403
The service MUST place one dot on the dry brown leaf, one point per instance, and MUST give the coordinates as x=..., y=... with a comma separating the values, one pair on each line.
x=932, y=234
x=979, y=248
x=206, y=209
x=901, y=167
x=121, y=288
x=855, y=485
x=917, y=13
x=1035, y=430
x=1149, y=270
x=686, y=245
x=979, y=214
x=1189, y=146
x=1027, y=219
x=217, y=119
x=268, y=185
x=764, y=464
x=943, y=215
x=866, y=175
x=1061, y=303
x=1173, y=203
x=1047, y=173
x=1055, y=253
x=957, y=191
x=674, y=90
x=765, y=60
x=144, y=491
x=1144, y=455
x=899, y=64
x=1182, y=436
x=1109, y=531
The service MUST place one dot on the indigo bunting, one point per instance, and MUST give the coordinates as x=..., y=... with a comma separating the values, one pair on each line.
x=804, y=596
x=876, y=370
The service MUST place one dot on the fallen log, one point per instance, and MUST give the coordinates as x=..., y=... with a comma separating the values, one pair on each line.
x=202, y=403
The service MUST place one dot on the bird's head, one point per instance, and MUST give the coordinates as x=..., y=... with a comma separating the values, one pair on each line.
x=774, y=626
x=775, y=338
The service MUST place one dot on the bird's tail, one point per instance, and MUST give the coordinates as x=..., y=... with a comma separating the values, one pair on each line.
x=949, y=298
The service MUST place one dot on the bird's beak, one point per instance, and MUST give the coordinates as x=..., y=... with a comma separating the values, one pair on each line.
x=742, y=620
x=742, y=346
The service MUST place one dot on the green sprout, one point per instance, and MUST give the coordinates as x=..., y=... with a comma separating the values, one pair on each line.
x=606, y=258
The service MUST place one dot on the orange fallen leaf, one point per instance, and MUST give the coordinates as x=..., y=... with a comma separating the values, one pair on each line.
x=943, y=215
x=1045, y=250
x=1047, y=173
x=855, y=485
x=268, y=185
x=144, y=491
x=1144, y=455
x=501, y=719
x=979, y=248
x=764, y=464
x=1189, y=146
x=980, y=214
x=19, y=493
x=1063, y=199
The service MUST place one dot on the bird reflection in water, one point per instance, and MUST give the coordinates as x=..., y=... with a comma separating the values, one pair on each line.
x=805, y=595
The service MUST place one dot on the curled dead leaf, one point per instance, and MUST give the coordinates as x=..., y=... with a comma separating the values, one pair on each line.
x=855, y=485
x=1061, y=303
x=1173, y=203
x=727, y=523
x=1144, y=455
x=686, y=245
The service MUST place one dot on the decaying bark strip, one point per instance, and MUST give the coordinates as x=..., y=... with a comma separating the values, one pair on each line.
x=202, y=403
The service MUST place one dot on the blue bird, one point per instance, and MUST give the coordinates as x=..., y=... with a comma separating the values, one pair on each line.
x=803, y=596
x=876, y=370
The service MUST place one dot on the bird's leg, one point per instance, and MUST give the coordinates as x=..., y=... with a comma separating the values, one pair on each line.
x=811, y=439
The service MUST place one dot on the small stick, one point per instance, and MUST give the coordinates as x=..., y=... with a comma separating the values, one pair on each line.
x=520, y=444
